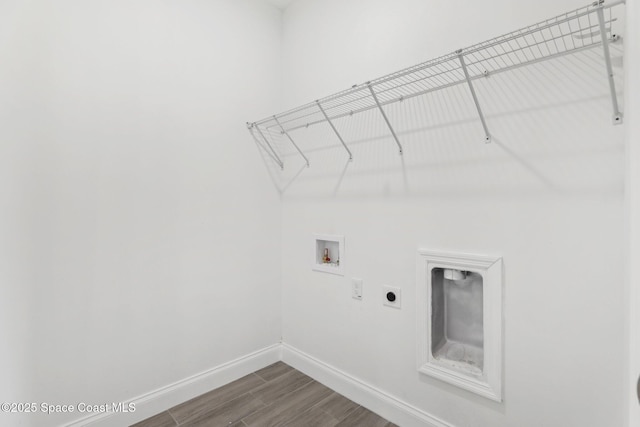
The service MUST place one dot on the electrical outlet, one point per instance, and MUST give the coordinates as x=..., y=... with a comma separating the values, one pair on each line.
x=391, y=296
x=356, y=288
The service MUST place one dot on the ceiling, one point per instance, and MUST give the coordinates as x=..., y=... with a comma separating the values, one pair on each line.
x=281, y=4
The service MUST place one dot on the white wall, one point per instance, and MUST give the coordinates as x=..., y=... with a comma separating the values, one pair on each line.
x=632, y=114
x=547, y=195
x=139, y=238
x=140, y=243
x=18, y=79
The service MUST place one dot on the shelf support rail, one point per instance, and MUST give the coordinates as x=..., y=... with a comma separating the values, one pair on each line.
x=275, y=155
x=284, y=132
x=250, y=126
x=487, y=135
x=617, y=115
x=384, y=116
x=334, y=129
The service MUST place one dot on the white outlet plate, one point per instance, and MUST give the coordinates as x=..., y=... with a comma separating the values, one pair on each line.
x=396, y=291
x=356, y=288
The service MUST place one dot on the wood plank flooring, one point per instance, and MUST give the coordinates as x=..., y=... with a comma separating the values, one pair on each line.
x=277, y=395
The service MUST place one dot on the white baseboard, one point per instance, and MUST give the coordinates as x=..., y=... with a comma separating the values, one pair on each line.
x=382, y=403
x=160, y=400
x=154, y=402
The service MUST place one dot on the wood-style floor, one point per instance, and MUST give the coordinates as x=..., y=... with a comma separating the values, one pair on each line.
x=277, y=395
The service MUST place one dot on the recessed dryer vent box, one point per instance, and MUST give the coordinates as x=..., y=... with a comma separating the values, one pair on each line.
x=328, y=253
x=460, y=320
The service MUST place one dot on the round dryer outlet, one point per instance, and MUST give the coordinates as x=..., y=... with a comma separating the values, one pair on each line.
x=391, y=296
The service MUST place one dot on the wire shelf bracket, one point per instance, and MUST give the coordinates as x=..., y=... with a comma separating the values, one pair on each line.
x=487, y=136
x=384, y=116
x=579, y=30
x=617, y=115
x=324, y=113
x=259, y=144
x=284, y=132
x=273, y=153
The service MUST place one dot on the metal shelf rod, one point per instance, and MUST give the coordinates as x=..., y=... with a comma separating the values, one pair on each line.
x=335, y=130
x=617, y=116
x=270, y=147
x=375, y=98
x=259, y=144
x=291, y=139
x=487, y=136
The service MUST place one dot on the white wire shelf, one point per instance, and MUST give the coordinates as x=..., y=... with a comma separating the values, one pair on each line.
x=584, y=28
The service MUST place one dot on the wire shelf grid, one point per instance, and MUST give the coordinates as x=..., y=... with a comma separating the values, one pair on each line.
x=571, y=32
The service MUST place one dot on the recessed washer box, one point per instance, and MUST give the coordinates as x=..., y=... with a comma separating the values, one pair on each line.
x=460, y=320
x=328, y=253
